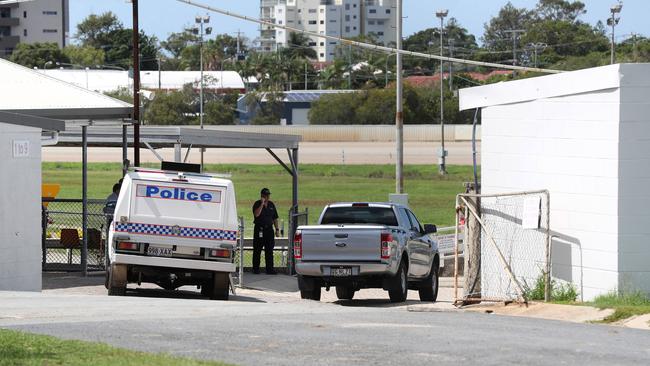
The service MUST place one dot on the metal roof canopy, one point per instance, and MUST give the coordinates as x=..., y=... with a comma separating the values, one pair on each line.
x=161, y=137
x=46, y=124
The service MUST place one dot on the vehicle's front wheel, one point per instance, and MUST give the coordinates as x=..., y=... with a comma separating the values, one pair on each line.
x=309, y=288
x=344, y=292
x=399, y=287
x=429, y=287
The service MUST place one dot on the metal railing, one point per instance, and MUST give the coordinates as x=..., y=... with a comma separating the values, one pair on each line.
x=63, y=237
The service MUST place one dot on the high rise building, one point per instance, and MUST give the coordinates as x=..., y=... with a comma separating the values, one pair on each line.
x=32, y=22
x=340, y=18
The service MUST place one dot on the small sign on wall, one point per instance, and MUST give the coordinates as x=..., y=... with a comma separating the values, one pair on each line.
x=21, y=148
x=532, y=212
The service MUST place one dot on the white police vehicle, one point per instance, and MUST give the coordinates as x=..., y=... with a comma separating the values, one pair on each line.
x=173, y=229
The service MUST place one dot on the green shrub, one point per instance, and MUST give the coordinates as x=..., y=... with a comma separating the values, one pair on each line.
x=561, y=292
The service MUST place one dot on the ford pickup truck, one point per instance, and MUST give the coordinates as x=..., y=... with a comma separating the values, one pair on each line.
x=367, y=245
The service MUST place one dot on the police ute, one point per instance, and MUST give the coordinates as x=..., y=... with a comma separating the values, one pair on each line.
x=173, y=229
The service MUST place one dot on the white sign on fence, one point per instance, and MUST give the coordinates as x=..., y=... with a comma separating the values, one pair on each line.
x=531, y=212
x=21, y=148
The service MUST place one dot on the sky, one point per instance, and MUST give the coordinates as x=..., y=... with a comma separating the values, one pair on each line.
x=161, y=17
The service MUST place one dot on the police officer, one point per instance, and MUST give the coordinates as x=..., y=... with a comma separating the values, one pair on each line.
x=266, y=217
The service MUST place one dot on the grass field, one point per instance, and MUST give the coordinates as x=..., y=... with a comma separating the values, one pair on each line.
x=431, y=196
x=625, y=305
x=18, y=348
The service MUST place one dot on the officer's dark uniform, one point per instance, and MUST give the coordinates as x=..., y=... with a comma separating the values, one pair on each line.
x=264, y=226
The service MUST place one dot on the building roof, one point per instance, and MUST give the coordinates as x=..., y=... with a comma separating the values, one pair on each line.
x=111, y=80
x=160, y=137
x=27, y=91
x=46, y=124
x=426, y=81
x=303, y=96
x=556, y=85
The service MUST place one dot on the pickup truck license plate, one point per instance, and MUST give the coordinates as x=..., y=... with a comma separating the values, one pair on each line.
x=341, y=272
x=159, y=252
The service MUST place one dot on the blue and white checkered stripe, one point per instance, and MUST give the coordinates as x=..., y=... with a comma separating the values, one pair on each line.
x=181, y=232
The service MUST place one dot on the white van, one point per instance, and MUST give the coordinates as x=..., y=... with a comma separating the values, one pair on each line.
x=173, y=229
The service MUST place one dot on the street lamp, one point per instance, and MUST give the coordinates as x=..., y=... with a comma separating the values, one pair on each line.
x=613, y=21
x=442, y=170
x=200, y=32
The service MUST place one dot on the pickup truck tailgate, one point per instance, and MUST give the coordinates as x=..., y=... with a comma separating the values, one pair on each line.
x=339, y=243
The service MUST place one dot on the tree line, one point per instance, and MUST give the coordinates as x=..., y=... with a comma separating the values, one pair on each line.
x=552, y=35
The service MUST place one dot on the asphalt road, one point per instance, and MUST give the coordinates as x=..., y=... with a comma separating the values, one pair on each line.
x=460, y=153
x=272, y=328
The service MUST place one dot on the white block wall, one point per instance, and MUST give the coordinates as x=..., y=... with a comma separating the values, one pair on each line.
x=20, y=211
x=591, y=149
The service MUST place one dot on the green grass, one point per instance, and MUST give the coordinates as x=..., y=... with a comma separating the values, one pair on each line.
x=18, y=348
x=431, y=196
x=625, y=305
x=561, y=293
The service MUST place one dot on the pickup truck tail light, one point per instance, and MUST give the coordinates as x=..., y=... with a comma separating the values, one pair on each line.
x=386, y=239
x=219, y=253
x=125, y=245
x=297, y=245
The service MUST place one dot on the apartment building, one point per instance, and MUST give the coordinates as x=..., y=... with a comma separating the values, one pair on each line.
x=33, y=21
x=340, y=18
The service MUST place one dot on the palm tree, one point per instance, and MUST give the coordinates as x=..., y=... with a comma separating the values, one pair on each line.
x=298, y=47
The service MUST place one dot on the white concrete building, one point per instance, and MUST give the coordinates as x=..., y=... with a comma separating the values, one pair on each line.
x=20, y=200
x=339, y=18
x=32, y=22
x=584, y=136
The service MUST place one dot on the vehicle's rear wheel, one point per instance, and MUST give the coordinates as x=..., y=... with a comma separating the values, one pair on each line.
x=344, y=292
x=429, y=287
x=399, y=287
x=220, y=286
x=309, y=288
x=117, y=280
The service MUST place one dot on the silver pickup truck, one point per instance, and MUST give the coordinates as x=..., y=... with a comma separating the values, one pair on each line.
x=367, y=245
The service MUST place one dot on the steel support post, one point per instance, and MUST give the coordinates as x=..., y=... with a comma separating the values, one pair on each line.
x=84, y=200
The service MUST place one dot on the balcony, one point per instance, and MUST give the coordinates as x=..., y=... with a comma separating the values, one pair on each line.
x=8, y=41
x=9, y=22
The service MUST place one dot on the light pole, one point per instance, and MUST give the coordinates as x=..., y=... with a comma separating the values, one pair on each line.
x=442, y=170
x=613, y=21
x=200, y=31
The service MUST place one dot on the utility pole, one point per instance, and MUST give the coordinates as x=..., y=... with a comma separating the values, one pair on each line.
x=159, y=74
x=305, y=75
x=136, y=85
x=514, y=33
x=399, y=117
x=613, y=21
x=442, y=169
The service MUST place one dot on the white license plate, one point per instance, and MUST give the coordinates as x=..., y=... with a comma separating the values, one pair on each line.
x=159, y=252
x=341, y=272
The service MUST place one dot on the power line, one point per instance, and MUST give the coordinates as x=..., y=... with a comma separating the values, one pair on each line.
x=365, y=45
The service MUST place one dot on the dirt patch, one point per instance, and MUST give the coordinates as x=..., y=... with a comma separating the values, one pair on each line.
x=570, y=313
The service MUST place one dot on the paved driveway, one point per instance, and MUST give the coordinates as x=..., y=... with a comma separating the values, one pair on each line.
x=277, y=328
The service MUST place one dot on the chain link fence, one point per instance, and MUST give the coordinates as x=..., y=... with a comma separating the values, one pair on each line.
x=514, y=244
x=62, y=237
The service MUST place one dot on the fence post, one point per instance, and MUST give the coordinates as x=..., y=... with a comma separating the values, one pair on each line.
x=472, y=249
x=241, y=251
x=84, y=201
x=547, y=282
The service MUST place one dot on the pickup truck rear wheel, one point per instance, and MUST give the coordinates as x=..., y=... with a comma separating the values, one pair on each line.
x=310, y=288
x=429, y=287
x=344, y=292
x=399, y=287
